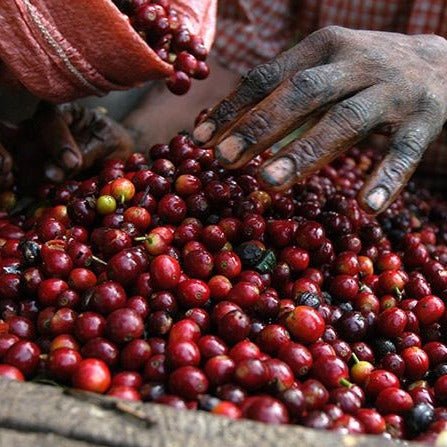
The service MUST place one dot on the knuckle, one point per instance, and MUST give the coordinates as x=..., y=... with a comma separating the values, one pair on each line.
x=331, y=33
x=255, y=127
x=262, y=79
x=333, y=30
x=308, y=84
x=225, y=112
x=430, y=104
x=351, y=116
x=393, y=172
x=430, y=39
x=306, y=152
x=410, y=147
x=326, y=40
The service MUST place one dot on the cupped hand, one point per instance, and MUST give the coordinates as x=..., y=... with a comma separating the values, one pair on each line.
x=58, y=142
x=349, y=84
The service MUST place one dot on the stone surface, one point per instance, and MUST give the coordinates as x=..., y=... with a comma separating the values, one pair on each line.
x=40, y=415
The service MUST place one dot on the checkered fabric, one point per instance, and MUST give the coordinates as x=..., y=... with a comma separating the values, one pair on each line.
x=250, y=32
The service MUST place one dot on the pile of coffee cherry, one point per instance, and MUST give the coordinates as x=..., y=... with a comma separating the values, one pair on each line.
x=160, y=26
x=168, y=279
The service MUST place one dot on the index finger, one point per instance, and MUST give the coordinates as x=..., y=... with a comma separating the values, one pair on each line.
x=263, y=79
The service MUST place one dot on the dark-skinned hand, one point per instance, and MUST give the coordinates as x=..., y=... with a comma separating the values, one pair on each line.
x=58, y=142
x=350, y=84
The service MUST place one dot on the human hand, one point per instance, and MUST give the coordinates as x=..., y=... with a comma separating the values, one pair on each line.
x=351, y=83
x=60, y=141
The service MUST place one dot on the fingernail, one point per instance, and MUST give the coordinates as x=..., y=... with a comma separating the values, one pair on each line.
x=279, y=171
x=377, y=198
x=203, y=132
x=69, y=159
x=230, y=149
x=54, y=173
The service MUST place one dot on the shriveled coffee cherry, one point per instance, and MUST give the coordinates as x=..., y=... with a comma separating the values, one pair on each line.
x=352, y=326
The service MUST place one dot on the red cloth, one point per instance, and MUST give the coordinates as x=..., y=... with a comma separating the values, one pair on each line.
x=250, y=32
x=62, y=50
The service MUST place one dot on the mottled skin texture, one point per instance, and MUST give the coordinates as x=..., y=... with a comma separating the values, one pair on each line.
x=349, y=84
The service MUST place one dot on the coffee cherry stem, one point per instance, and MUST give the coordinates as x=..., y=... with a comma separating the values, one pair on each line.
x=355, y=358
x=346, y=383
x=98, y=260
x=140, y=238
x=362, y=287
x=398, y=292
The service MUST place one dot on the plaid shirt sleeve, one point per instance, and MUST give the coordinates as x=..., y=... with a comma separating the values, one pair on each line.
x=250, y=32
